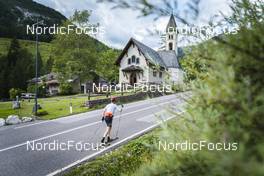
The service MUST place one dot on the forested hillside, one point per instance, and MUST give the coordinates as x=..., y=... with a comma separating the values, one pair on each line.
x=16, y=14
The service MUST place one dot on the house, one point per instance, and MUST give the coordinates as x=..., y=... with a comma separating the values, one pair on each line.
x=52, y=83
x=138, y=63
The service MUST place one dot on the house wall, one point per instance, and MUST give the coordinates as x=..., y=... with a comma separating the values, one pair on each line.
x=176, y=75
x=157, y=79
x=53, y=89
x=142, y=78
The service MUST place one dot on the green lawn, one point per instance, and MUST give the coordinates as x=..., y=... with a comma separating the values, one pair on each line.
x=55, y=106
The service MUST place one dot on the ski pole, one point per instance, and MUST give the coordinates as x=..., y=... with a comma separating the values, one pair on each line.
x=119, y=120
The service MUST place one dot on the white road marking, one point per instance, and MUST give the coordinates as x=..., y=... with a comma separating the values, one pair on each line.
x=49, y=136
x=76, y=128
x=105, y=149
x=62, y=118
x=32, y=124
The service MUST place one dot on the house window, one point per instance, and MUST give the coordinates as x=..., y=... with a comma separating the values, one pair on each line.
x=171, y=29
x=137, y=61
x=133, y=59
x=171, y=37
x=154, y=73
x=170, y=46
x=129, y=61
x=160, y=74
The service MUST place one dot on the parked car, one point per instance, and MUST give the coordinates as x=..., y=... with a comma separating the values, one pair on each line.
x=27, y=95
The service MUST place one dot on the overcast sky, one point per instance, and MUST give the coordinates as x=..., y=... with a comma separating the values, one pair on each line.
x=122, y=24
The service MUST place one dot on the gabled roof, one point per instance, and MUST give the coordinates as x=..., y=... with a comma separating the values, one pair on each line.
x=150, y=54
x=172, y=23
x=166, y=59
x=170, y=58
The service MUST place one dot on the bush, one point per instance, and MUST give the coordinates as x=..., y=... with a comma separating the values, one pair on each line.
x=15, y=92
x=41, y=89
x=66, y=89
x=42, y=112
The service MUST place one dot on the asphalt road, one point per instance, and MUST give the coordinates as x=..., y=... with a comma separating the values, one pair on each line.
x=50, y=147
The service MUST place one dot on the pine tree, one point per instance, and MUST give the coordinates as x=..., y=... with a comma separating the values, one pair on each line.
x=49, y=65
x=13, y=53
x=16, y=69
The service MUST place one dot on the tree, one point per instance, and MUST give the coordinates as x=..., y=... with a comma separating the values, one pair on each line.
x=22, y=71
x=105, y=66
x=49, y=65
x=13, y=53
x=75, y=54
x=41, y=69
x=3, y=77
x=226, y=106
x=13, y=93
x=16, y=69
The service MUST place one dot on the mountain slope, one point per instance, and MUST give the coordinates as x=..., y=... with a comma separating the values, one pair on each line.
x=16, y=14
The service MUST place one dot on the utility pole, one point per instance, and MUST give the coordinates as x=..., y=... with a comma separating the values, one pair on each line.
x=36, y=69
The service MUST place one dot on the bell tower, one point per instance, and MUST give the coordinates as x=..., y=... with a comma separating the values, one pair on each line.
x=171, y=35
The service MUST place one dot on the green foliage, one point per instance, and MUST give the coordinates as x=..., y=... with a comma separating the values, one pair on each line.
x=16, y=69
x=49, y=65
x=124, y=160
x=14, y=92
x=45, y=49
x=66, y=89
x=227, y=105
x=42, y=112
x=195, y=62
x=81, y=17
x=105, y=65
x=41, y=89
x=76, y=54
x=41, y=70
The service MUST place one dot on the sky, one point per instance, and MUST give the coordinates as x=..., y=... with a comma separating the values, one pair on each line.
x=122, y=24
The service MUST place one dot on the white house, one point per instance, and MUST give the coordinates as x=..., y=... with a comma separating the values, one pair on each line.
x=139, y=63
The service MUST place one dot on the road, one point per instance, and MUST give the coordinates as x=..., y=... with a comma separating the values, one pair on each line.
x=49, y=147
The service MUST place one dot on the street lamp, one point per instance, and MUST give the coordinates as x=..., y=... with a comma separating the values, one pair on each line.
x=36, y=67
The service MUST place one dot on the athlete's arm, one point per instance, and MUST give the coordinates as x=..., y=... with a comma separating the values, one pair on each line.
x=119, y=109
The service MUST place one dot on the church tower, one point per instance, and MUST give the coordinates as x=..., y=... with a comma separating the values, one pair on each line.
x=171, y=35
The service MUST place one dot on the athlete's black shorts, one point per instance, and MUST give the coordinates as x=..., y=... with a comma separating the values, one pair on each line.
x=108, y=121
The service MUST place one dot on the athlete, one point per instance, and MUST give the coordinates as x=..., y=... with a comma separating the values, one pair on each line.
x=108, y=115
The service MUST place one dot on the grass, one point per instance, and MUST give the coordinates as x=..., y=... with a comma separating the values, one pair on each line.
x=122, y=161
x=45, y=49
x=55, y=106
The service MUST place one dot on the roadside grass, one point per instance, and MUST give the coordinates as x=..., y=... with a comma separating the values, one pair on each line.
x=122, y=161
x=52, y=108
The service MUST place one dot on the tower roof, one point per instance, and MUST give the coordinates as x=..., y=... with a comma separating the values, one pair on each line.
x=172, y=23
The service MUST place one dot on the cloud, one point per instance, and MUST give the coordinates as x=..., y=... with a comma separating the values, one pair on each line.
x=122, y=24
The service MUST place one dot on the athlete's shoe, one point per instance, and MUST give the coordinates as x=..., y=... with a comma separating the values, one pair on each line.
x=102, y=140
x=108, y=139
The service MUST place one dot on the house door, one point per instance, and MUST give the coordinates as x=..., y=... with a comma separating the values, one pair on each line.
x=133, y=78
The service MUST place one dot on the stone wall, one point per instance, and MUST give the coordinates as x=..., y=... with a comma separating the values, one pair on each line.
x=124, y=99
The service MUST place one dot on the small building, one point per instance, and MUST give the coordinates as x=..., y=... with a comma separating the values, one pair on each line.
x=138, y=63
